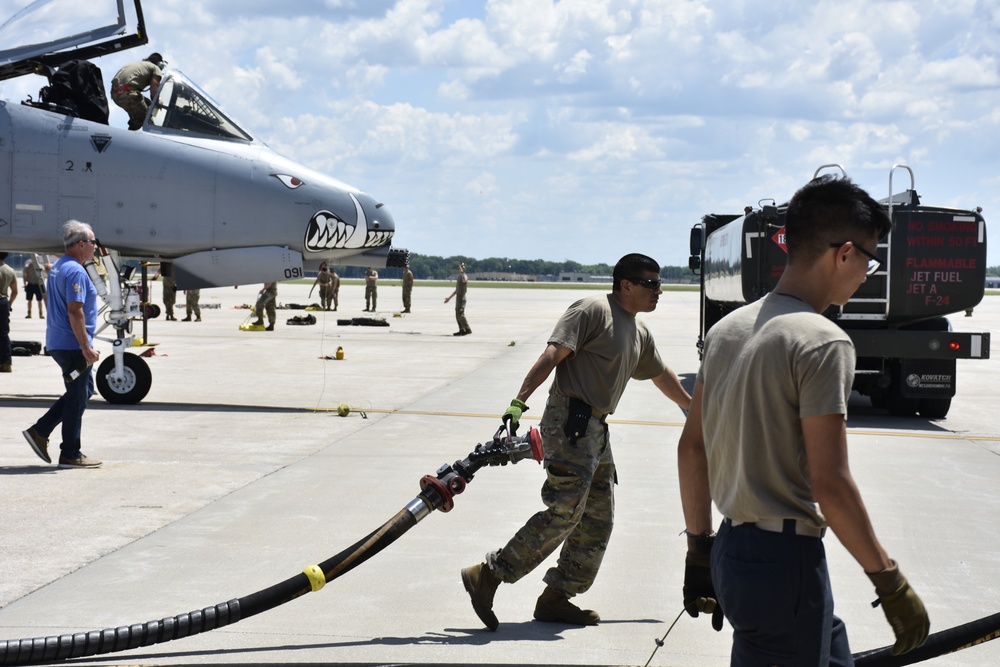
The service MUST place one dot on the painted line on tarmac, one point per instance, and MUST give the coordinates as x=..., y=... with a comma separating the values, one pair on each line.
x=18, y=400
x=636, y=422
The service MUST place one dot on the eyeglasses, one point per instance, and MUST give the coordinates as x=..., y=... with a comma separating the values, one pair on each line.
x=646, y=282
x=874, y=261
x=93, y=242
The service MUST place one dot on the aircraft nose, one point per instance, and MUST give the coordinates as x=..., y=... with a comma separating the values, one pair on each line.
x=378, y=216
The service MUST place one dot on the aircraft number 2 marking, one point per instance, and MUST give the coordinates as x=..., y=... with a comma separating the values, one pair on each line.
x=69, y=165
x=293, y=272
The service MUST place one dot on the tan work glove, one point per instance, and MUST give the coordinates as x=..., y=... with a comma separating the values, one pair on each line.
x=902, y=607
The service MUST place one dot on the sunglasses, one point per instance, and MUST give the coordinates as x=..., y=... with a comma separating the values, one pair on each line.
x=874, y=261
x=93, y=242
x=646, y=282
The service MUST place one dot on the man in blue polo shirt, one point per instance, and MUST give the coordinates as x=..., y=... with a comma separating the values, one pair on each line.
x=69, y=340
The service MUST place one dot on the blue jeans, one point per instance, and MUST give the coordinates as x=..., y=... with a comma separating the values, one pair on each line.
x=70, y=406
x=775, y=591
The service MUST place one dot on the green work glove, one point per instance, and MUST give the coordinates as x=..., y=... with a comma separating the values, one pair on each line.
x=513, y=413
x=903, y=609
x=699, y=592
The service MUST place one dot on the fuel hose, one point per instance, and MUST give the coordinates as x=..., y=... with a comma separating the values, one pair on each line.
x=437, y=492
x=950, y=640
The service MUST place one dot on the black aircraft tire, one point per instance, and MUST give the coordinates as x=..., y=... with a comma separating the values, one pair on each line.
x=138, y=379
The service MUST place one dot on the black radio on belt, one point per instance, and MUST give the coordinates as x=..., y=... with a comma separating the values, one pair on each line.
x=577, y=420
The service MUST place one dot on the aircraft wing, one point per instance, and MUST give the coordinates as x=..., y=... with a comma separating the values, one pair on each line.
x=50, y=32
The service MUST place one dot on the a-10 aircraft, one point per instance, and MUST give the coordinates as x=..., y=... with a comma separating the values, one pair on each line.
x=191, y=186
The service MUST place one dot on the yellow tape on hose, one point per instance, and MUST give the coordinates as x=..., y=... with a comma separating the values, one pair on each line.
x=317, y=579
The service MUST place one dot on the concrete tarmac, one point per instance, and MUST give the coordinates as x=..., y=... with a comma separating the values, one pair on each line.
x=236, y=473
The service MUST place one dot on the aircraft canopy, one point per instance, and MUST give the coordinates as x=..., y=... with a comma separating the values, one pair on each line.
x=51, y=32
x=181, y=106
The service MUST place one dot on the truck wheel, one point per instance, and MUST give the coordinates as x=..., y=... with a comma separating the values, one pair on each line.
x=900, y=406
x=934, y=408
x=132, y=388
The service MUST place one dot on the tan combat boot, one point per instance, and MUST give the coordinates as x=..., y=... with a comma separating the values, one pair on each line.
x=554, y=607
x=482, y=586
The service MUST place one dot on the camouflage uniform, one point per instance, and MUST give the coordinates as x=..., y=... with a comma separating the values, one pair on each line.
x=335, y=289
x=193, y=296
x=126, y=90
x=407, y=288
x=461, y=289
x=610, y=347
x=325, y=280
x=169, y=288
x=265, y=304
x=371, y=290
x=578, y=492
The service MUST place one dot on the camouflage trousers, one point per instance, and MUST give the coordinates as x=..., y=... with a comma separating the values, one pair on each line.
x=579, y=496
x=169, y=294
x=191, y=301
x=463, y=324
x=136, y=106
x=265, y=304
x=325, y=296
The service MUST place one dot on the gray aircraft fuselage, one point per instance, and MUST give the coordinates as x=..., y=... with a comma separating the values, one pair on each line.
x=225, y=211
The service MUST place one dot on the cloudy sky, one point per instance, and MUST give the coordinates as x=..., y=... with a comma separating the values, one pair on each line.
x=585, y=129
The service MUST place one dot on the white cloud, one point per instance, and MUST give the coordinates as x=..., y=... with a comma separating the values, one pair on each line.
x=587, y=112
x=482, y=185
x=575, y=68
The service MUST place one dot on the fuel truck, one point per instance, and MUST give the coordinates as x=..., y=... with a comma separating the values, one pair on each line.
x=934, y=266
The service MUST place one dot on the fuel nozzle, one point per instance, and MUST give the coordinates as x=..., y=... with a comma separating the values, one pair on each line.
x=507, y=447
x=438, y=491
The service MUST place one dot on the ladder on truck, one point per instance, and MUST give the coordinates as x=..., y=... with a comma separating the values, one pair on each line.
x=871, y=302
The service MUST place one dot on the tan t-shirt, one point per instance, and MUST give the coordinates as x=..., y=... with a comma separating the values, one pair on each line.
x=766, y=366
x=137, y=75
x=609, y=347
x=32, y=274
x=7, y=278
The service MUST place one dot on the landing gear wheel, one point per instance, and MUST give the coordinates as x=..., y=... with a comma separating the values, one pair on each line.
x=131, y=388
x=934, y=408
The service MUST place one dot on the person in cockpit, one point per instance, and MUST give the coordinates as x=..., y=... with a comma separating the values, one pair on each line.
x=128, y=84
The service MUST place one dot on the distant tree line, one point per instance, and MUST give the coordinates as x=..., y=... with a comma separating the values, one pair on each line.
x=429, y=267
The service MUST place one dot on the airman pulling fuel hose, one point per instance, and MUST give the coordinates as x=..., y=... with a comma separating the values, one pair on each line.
x=437, y=492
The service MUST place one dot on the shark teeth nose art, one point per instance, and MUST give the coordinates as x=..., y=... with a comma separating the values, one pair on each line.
x=326, y=231
x=377, y=239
